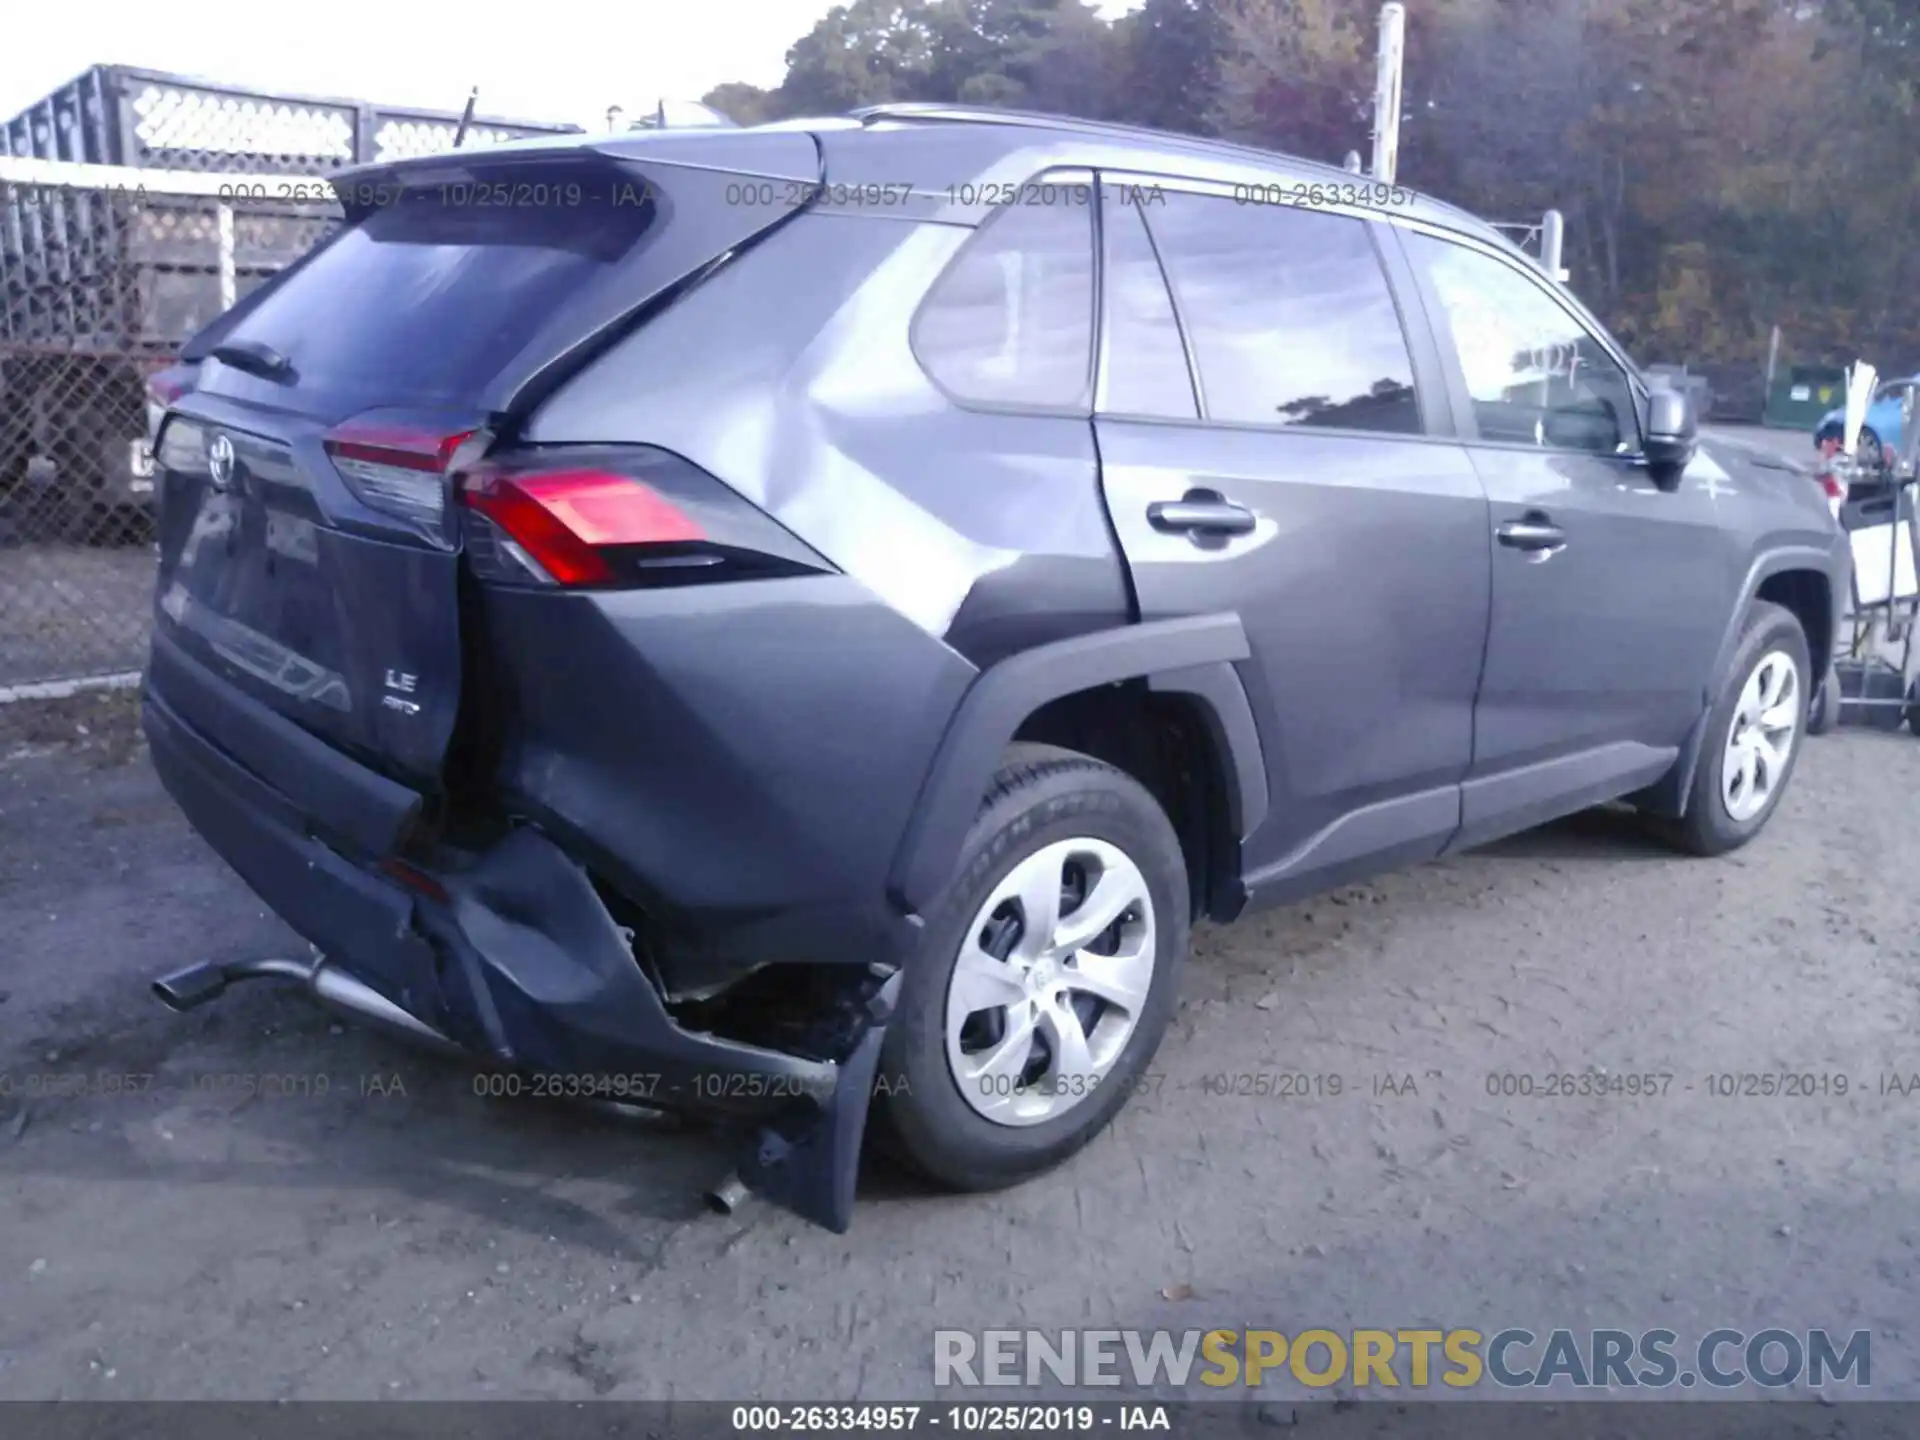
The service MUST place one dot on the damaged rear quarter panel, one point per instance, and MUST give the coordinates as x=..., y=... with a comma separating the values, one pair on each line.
x=745, y=758
x=790, y=378
x=738, y=759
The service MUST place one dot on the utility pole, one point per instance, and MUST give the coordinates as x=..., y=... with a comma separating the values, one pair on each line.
x=1553, y=241
x=1386, y=93
x=466, y=117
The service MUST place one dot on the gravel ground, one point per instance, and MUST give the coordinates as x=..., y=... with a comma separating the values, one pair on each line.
x=1795, y=445
x=399, y=1236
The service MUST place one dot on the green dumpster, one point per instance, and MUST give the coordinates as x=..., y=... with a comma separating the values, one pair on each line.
x=1804, y=394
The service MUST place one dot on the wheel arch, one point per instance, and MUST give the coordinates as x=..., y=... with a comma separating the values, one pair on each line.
x=1182, y=667
x=1799, y=579
x=1808, y=593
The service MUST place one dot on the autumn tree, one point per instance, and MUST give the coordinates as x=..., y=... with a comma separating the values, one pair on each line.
x=1173, y=52
x=1724, y=165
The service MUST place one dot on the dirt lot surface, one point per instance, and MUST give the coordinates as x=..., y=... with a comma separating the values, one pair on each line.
x=376, y=1229
x=1795, y=445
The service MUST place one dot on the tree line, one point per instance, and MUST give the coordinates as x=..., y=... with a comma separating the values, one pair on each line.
x=1724, y=165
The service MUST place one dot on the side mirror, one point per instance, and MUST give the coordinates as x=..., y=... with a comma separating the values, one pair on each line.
x=1673, y=435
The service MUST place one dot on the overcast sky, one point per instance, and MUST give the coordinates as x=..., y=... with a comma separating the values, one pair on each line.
x=565, y=60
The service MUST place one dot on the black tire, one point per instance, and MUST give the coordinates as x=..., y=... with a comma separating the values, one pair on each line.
x=1824, y=713
x=1040, y=795
x=1913, y=707
x=1706, y=828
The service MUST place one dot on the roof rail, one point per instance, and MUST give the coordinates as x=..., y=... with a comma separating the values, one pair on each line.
x=1040, y=120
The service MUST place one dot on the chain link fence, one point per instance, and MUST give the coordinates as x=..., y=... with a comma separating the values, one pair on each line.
x=76, y=552
x=135, y=206
x=98, y=288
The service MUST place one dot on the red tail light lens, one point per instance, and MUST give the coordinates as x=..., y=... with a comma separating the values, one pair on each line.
x=564, y=521
x=394, y=445
x=163, y=389
x=396, y=468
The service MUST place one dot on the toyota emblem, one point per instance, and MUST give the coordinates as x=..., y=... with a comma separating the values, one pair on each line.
x=220, y=462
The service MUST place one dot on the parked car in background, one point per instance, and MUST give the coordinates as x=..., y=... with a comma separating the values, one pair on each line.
x=814, y=622
x=1883, y=434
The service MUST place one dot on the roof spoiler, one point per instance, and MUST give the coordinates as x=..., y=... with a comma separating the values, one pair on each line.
x=680, y=115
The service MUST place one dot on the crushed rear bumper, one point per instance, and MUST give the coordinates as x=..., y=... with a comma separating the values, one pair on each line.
x=512, y=956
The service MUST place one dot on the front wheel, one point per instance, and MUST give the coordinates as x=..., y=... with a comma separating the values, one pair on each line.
x=1045, y=979
x=1752, y=737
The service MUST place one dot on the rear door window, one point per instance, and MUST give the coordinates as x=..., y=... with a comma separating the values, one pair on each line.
x=428, y=297
x=1009, y=323
x=1288, y=313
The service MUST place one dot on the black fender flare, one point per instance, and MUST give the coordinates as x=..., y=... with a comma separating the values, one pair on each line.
x=1194, y=656
x=1669, y=795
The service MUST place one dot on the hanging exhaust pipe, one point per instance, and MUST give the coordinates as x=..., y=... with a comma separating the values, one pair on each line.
x=728, y=1196
x=337, y=990
x=333, y=987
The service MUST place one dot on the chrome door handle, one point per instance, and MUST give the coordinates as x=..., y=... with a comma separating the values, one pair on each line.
x=1536, y=537
x=1196, y=515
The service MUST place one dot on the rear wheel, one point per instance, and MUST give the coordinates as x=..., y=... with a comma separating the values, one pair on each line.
x=1046, y=977
x=1753, y=736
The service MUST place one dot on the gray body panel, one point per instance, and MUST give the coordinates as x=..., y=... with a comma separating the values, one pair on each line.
x=1362, y=686
x=986, y=530
x=1412, y=686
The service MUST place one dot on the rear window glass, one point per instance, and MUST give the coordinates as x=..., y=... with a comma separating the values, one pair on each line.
x=1010, y=322
x=428, y=296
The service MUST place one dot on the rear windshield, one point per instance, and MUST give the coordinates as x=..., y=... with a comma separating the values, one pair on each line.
x=427, y=297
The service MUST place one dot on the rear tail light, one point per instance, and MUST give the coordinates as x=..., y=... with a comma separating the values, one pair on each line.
x=182, y=447
x=398, y=468
x=618, y=517
x=163, y=388
x=566, y=521
x=414, y=879
x=167, y=386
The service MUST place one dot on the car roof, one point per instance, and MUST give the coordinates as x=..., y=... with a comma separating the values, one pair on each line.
x=992, y=131
x=933, y=147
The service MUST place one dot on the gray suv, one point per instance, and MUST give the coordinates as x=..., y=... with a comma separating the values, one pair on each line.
x=788, y=622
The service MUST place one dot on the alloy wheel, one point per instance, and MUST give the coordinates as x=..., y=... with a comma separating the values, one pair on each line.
x=1050, y=982
x=1766, y=726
